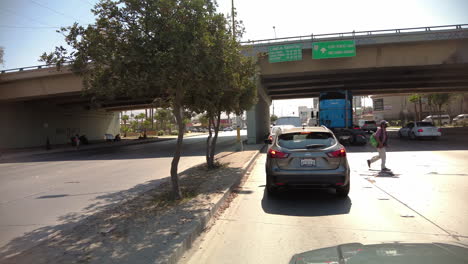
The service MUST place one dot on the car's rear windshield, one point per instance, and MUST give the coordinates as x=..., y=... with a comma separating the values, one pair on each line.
x=424, y=124
x=369, y=122
x=305, y=140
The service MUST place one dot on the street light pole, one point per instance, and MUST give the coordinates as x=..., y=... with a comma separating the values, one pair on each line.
x=274, y=29
x=240, y=147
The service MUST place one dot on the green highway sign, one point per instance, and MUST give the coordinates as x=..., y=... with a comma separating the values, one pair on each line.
x=333, y=49
x=282, y=53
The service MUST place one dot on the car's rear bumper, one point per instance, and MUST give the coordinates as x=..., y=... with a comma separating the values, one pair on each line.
x=422, y=134
x=319, y=179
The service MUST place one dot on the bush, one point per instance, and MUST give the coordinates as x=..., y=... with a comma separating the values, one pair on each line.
x=174, y=133
x=160, y=133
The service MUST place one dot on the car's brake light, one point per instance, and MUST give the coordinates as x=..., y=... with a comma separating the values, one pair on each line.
x=420, y=130
x=270, y=137
x=439, y=130
x=338, y=153
x=274, y=154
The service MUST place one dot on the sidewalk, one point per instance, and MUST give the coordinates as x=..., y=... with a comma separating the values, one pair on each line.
x=24, y=152
x=149, y=228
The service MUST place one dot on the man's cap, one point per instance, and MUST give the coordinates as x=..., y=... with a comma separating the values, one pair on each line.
x=383, y=122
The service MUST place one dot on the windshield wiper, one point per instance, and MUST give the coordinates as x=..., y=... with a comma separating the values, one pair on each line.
x=315, y=146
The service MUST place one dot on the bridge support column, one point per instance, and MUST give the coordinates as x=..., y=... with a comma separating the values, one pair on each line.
x=258, y=118
x=29, y=124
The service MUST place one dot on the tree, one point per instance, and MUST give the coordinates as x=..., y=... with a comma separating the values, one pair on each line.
x=2, y=53
x=125, y=129
x=273, y=118
x=142, y=49
x=230, y=83
x=439, y=100
x=415, y=99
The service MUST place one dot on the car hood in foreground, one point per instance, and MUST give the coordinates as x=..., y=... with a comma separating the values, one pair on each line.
x=395, y=253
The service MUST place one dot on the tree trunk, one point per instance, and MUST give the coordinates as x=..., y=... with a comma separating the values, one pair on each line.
x=415, y=112
x=177, y=110
x=208, y=143
x=213, y=142
x=420, y=108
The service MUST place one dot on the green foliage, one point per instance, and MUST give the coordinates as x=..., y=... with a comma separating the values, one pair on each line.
x=174, y=133
x=273, y=118
x=414, y=98
x=160, y=133
x=179, y=54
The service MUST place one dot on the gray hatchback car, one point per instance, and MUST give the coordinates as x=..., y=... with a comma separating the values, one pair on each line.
x=308, y=157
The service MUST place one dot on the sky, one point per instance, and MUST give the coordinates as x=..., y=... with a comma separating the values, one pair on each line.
x=27, y=27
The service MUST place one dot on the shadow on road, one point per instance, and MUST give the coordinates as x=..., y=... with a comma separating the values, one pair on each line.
x=82, y=237
x=306, y=203
x=162, y=149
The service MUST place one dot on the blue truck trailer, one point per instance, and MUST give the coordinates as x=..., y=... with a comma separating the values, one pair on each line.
x=336, y=113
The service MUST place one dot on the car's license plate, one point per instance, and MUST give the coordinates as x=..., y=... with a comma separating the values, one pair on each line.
x=308, y=162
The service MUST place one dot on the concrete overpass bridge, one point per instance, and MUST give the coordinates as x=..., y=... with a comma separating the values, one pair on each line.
x=429, y=59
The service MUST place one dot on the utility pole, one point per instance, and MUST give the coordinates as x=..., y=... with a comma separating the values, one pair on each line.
x=240, y=147
x=233, y=20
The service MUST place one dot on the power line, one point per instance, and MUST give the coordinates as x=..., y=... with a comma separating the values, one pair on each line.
x=23, y=16
x=87, y=2
x=53, y=10
x=9, y=26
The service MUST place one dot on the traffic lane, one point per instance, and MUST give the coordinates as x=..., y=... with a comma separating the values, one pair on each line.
x=38, y=197
x=22, y=179
x=432, y=183
x=191, y=146
x=259, y=229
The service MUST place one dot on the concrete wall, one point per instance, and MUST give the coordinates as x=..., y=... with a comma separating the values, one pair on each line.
x=28, y=124
x=375, y=56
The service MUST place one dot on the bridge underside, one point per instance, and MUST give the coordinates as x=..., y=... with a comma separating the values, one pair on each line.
x=384, y=80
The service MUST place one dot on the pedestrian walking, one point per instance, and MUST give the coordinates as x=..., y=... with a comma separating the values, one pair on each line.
x=381, y=136
x=77, y=141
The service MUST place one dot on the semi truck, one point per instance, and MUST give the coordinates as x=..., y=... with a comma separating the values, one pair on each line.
x=336, y=113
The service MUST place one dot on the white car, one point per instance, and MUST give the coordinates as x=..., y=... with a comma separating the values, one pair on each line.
x=461, y=119
x=445, y=119
x=416, y=130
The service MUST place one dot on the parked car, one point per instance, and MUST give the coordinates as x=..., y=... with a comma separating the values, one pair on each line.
x=309, y=157
x=289, y=120
x=228, y=129
x=416, y=130
x=445, y=119
x=369, y=126
x=461, y=119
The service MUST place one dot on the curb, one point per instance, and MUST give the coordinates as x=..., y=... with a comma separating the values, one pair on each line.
x=202, y=222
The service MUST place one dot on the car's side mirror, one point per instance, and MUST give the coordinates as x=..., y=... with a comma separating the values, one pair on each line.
x=268, y=141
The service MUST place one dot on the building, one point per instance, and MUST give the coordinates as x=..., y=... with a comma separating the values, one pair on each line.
x=398, y=107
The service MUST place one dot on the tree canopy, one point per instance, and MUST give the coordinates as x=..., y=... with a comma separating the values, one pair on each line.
x=178, y=53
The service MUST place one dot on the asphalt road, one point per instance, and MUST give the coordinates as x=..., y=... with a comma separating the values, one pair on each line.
x=424, y=202
x=41, y=194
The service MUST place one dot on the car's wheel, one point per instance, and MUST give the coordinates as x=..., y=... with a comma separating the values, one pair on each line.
x=343, y=191
x=412, y=135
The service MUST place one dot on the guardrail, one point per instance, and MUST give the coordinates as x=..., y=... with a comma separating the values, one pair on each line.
x=32, y=67
x=347, y=35
x=354, y=34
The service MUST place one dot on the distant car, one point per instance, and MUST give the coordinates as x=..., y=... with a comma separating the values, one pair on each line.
x=228, y=129
x=461, y=119
x=369, y=126
x=289, y=120
x=275, y=129
x=309, y=157
x=445, y=119
x=415, y=130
